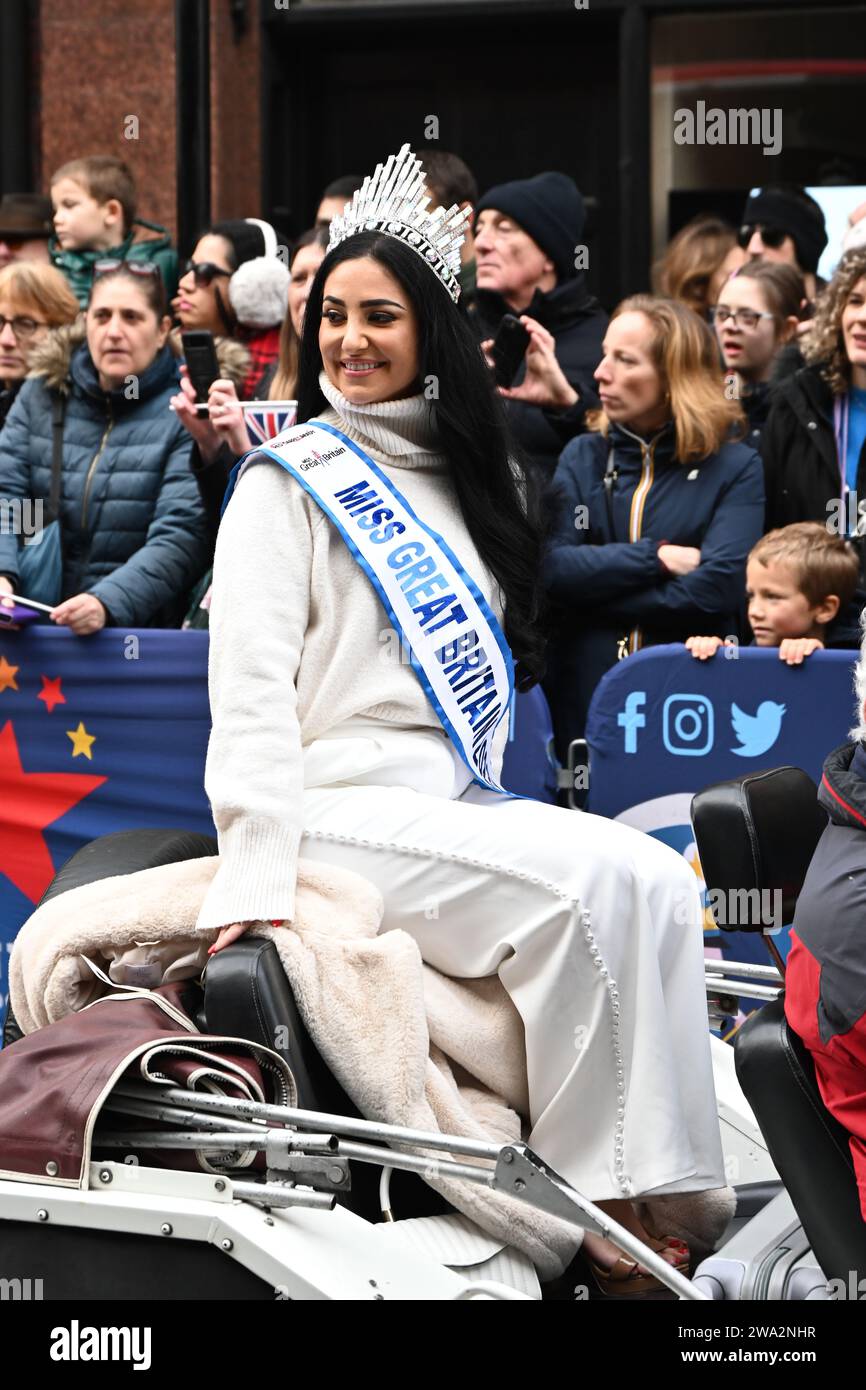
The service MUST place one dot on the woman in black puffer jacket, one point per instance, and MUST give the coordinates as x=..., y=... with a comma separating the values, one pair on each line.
x=131, y=519
x=814, y=442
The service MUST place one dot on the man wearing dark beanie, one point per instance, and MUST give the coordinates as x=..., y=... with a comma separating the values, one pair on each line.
x=782, y=223
x=529, y=262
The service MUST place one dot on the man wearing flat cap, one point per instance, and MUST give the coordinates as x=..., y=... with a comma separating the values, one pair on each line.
x=529, y=258
x=25, y=226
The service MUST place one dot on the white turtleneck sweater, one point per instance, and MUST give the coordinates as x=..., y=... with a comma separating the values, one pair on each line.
x=297, y=648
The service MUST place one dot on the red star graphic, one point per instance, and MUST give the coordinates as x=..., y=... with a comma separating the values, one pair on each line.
x=51, y=692
x=29, y=802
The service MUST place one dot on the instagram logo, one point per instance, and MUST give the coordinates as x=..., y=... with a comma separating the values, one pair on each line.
x=687, y=725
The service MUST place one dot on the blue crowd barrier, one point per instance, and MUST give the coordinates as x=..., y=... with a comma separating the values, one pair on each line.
x=529, y=767
x=97, y=734
x=110, y=732
x=662, y=726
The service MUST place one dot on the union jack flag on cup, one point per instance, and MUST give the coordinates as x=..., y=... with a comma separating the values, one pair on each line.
x=267, y=419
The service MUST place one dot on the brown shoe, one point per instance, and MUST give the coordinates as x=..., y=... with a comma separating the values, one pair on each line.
x=625, y=1280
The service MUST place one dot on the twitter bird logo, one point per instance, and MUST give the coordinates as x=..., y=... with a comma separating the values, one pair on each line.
x=757, y=732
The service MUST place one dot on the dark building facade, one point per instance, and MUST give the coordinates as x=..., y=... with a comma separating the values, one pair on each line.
x=248, y=107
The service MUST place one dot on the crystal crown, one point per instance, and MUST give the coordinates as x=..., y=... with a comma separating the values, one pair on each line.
x=393, y=200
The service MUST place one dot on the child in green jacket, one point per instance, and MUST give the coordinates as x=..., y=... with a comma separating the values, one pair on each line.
x=94, y=217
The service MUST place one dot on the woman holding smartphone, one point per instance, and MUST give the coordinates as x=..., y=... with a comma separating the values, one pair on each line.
x=389, y=521
x=235, y=285
x=221, y=437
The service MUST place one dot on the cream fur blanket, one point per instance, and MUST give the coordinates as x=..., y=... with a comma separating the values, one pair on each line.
x=409, y=1045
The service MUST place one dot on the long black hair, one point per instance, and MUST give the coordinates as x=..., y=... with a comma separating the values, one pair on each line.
x=495, y=487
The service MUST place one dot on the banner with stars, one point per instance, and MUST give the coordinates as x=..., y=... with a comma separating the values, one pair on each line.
x=97, y=734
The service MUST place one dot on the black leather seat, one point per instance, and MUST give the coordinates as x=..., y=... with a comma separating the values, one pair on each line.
x=808, y=1146
x=759, y=832
x=247, y=995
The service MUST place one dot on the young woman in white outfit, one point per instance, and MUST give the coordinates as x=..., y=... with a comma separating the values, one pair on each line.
x=324, y=742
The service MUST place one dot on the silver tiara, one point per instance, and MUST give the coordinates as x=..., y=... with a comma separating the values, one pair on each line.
x=393, y=200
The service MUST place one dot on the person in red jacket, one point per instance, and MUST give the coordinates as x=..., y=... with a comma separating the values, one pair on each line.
x=825, y=978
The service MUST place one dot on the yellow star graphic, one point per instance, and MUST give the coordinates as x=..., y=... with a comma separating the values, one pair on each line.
x=81, y=741
x=7, y=675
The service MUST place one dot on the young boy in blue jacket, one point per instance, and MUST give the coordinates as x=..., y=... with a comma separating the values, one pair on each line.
x=800, y=585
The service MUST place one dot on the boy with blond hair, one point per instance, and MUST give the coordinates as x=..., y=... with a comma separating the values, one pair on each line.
x=799, y=580
x=94, y=219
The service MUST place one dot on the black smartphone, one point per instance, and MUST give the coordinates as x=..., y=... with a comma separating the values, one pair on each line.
x=201, y=362
x=509, y=349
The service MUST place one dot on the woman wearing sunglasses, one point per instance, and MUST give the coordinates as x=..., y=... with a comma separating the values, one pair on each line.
x=247, y=305
x=202, y=293
x=755, y=318
x=131, y=523
x=220, y=439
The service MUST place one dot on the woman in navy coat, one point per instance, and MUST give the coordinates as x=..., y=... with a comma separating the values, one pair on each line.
x=655, y=510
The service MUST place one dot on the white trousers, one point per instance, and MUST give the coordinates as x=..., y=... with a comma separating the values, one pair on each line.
x=593, y=928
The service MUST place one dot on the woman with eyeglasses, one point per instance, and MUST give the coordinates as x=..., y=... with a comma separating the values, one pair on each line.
x=814, y=442
x=756, y=317
x=131, y=521
x=34, y=298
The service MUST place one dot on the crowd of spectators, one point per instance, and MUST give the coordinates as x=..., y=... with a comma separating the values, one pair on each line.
x=689, y=448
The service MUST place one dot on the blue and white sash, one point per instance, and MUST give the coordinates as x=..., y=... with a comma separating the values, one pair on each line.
x=455, y=644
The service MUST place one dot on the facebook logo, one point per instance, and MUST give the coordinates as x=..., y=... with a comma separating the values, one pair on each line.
x=631, y=719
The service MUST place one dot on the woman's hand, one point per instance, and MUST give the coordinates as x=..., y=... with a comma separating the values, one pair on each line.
x=794, y=650
x=199, y=426
x=679, y=559
x=545, y=383
x=83, y=613
x=705, y=647
x=223, y=425
x=6, y=588
x=233, y=932
x=227, y=417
